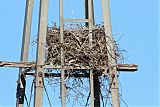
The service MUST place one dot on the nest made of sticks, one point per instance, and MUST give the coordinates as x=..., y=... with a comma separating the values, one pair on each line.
x=76, y=47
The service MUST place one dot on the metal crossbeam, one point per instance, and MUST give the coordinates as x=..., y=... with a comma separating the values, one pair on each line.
x=84, y=75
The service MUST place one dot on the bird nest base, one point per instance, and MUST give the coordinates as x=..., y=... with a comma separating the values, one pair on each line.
x=77, y=49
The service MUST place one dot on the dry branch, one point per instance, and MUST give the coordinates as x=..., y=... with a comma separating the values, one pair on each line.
x=77, y=50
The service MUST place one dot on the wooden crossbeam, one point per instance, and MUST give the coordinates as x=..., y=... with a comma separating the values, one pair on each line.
x=17, y=64
x=127, y=67
x=120, y=67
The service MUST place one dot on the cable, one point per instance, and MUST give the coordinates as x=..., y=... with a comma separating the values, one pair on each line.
x=102, y=100
x=46, y=93
x=120, y=94
x=26, y=100
x=31, y=93
x=123, y=101
x=87, y=100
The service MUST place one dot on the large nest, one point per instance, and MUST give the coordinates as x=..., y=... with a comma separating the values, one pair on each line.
x=77, y=50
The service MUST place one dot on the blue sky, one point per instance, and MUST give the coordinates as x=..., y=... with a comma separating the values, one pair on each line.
x=137, y=21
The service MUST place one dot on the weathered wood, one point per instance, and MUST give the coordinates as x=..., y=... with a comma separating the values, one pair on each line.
x=120, y=67
x=127, y=67
x=17, y=64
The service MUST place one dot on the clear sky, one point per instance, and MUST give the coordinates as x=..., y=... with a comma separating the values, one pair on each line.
x=136, y=21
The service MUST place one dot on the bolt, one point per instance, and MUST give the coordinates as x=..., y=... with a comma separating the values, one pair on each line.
x=40, y=82
x=113, y=75
x=40, y=74
x=114, y=83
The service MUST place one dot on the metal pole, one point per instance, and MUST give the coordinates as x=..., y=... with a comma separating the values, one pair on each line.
x=62, y=55
x=90, y=12
x=111, y=54
x=95, y=81
x=41, y=45
x=96, y=89
x=91, y=88
x=92, y=6
x=25, y=45
x=95, y=78
x=86, y=11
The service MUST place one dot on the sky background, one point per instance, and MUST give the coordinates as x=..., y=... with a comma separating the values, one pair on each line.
x=136, y=22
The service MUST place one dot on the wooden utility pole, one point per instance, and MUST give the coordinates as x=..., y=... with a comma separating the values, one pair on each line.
x=42, y=32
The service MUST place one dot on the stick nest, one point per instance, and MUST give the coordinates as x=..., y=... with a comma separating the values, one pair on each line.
x=76, y=47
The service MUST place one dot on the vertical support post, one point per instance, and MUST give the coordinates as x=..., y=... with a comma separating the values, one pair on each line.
x=111, y=54
x=90, y=11
x=91, y=88
x=86, y=11
x=90, y=15
x=95, y=78
x=42, y=31
x=62, y=55
x=25, y=46
x=92, y=6
x=97, y=89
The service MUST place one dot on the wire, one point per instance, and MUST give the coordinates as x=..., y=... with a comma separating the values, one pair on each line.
x=102, y=100
x=123, y=101
x=120, y=94
x=31, y=93
x=46, y=93
x=87, y=100
x=26, y=100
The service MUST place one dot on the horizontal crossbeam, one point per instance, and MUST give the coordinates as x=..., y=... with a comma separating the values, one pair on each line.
x=76, y=20
x=59, y=74
x=17, y=64
x=120, y=67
